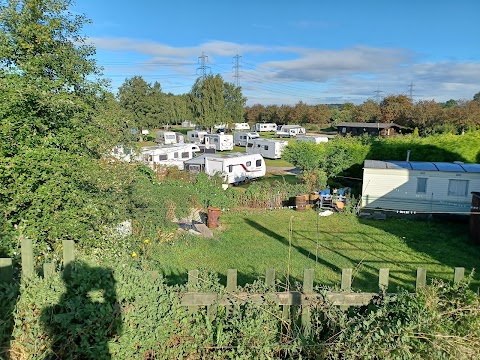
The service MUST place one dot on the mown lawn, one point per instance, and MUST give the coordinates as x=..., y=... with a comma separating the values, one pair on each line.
x=252, y=241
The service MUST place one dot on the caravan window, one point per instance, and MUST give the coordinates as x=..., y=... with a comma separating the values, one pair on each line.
x=215, y=140
x=162, y=157
x=175, y=155
x=249, y=163
x=194, y=168
x=422, y=185
x=230, y=168
x=266, y=147
x=250, y=145
x=457, y=187
x=258, y=163
x=185, y=155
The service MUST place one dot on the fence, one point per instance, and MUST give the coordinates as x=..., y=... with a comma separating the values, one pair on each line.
x=193, y=299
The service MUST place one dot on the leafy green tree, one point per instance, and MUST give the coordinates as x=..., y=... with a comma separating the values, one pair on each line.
x=133, y=96
x=53, y=182
x=234, y=103
x=304, y=155
x=476, y=97
x=208, y=101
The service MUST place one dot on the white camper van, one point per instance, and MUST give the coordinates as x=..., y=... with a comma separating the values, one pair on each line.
x=313, y=139
x=221, y=142
x=168, y=155
x=241, y=138
x=241, y=126
x=234, y=168
x=291, y=130
x=264, y=127
x=268, y=148
x=166, y=137
x=196, y=136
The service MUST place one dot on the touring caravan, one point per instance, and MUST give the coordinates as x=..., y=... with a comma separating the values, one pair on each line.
x=168, y=155
x=234, y=167
x=166, y=137
x=268, y=148
x=313, y=139
x=221, y=142
x=241, y=138
x=290, y=131
x=265, y=127
x=241, y=126
x=196, y=136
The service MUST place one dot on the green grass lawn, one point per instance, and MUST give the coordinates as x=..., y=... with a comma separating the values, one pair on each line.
x=253, y=241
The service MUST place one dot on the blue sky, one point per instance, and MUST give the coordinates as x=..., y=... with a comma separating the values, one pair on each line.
x=313, y=51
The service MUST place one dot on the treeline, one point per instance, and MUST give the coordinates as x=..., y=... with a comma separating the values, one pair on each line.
x=428, y=116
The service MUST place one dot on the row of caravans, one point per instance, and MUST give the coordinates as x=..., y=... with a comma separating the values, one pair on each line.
x=234, y=167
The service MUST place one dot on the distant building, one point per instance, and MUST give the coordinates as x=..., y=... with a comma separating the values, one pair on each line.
x=374, y=129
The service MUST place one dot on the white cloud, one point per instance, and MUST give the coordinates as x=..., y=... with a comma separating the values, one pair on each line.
x=311, y=75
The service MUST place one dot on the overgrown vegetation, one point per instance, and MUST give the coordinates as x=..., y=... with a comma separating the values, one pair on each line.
x=120, y=311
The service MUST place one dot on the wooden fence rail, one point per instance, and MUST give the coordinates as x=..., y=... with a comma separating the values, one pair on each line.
x=193, y=299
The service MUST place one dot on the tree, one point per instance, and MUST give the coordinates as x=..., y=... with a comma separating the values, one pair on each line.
x=53, y=183
x=133, y=96
x=476, y=97
x=234, y=103
x=208, y=101
x=396, y=109
x=369, y=111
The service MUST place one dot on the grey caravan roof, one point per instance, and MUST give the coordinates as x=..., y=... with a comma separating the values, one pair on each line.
x=422, y=166
x=200, y=160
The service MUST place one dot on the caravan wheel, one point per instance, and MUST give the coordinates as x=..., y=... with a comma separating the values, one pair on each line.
x=246, y=180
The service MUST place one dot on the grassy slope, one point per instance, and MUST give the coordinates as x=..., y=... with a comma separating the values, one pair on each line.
x=254, y=241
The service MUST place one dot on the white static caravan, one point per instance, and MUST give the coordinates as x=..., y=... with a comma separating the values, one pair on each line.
x=168, y=155
x=124, y=153
x=290, y=131
x=420, y=187
x=268, y=148
x=241, y=138
x=221, y=142
x=313, y=139
x=166, y=137
x=265, y=127
x=196, y=136
x=241, y=126
x=234, y=167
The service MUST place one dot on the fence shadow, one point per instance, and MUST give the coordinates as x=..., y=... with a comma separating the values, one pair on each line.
x=87, y=315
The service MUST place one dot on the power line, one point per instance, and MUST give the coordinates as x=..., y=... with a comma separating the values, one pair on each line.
x=203, y=67
x=377, y=94
x=410, y=87
x=236, y=75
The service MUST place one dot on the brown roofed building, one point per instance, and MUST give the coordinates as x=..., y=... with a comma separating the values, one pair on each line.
x=374, y=129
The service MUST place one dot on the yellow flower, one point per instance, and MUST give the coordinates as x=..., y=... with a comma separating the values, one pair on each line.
x=146, y=241
x=39, y=258
x=134, y=254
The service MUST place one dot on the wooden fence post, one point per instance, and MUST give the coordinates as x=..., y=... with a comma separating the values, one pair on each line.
x=231, y=285
x=421, y=278
x=27, y=257
x=383, y=275
x=347, y=279
x=192, y=281
x=6, y=270
x=307, y=289
x=270, y=278
x=459, y=274
x=68, y=256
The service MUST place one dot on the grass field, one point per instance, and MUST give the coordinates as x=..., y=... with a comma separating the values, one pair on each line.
x=253, y=241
